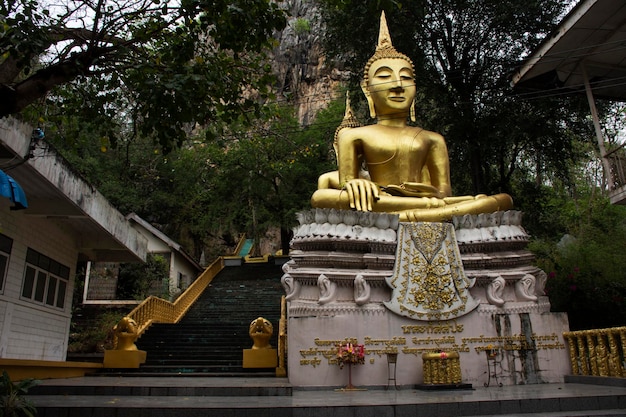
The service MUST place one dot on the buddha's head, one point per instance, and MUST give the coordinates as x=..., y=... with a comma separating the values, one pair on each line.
x=388, y=79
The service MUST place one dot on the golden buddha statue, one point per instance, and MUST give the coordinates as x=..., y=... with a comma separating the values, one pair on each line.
x=408, y=171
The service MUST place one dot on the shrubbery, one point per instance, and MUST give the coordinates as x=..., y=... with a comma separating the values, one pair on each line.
x=587, y=267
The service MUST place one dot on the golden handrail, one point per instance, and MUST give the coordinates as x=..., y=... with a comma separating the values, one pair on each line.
x=598, y=352
x=281, y=371
x=157, y=310
x=242, y=241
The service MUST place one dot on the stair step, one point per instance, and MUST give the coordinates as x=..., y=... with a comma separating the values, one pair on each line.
x=102, y=385
x=196, y=356
x=167, y=395
x=586, y=413
x=213, y=371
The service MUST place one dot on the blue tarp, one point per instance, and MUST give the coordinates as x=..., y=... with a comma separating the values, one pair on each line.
x=13, y=191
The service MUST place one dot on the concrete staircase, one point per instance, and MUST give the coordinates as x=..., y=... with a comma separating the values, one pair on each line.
x=210, y=339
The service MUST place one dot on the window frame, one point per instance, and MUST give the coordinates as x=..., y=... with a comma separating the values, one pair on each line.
x=6, y=247
x=45, y=281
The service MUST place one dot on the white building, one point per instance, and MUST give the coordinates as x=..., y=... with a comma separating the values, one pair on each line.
x=66, y=222
x=100, y=288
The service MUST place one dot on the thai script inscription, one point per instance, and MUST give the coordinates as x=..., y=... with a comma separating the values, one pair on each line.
x=324, y=351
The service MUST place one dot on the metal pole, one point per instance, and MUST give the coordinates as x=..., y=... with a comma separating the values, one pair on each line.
x=596, y=124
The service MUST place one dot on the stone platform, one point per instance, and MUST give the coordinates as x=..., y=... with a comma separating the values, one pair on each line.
x=467, y=286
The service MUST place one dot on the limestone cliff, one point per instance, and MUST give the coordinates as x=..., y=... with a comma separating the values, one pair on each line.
x=304, y=78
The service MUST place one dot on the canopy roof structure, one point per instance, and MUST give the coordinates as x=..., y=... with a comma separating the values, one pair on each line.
x=585, y=54
x=591, y=39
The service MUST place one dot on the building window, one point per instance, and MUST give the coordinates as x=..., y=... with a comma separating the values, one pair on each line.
x=45, y=280
x=6, y=243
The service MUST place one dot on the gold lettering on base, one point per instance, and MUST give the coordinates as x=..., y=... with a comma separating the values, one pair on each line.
x=440, y=338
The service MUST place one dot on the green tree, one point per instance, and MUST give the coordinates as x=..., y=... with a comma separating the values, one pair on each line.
x=463, y=52
x=270, y=173
x=204, y=194
x=586, y=267
x=136, y=280
x=146, y=66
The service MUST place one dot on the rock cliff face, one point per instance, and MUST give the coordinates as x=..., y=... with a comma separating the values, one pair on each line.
x=298, y=61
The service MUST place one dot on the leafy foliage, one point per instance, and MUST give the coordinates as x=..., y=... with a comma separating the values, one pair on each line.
x=586, y=267
x=145, y=66
x=136, y=281
x=206, y=193
x=268, y=174
x=96, y=335
x=12, y=397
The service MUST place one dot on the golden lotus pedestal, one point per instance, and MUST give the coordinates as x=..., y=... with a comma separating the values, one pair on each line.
x=442, y=370
x=260, y=358
x=130, y=359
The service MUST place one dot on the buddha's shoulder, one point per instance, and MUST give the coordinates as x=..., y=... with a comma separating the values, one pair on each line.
x=360, y=132
x=369, y=130
x=376, y=132
x=433, y=136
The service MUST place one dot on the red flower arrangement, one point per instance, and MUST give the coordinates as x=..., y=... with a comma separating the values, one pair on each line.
x=350, y=353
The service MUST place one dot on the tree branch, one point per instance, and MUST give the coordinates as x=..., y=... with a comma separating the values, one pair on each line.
x=41, y=82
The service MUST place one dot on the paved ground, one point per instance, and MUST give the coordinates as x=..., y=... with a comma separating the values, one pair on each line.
x=518, y=398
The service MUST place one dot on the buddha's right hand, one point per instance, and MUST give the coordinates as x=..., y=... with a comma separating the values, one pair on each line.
x=362, y=194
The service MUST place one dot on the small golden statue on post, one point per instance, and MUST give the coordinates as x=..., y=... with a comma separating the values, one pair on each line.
x=125, y=353
x=261, y=355
x=125, y=334
x=408, y=169
x=261, y=330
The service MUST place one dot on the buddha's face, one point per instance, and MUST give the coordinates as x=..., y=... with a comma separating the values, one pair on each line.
x=391, y=86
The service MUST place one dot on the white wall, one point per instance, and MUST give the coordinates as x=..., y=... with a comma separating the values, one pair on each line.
x=182, y=265
x=178, y=263
x=29, y=330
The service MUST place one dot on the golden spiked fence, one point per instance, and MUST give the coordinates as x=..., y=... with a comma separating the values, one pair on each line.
x=598, y=352
x=157, y=310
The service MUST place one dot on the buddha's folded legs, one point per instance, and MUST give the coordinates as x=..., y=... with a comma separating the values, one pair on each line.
x=418, y=208
x=477, y=205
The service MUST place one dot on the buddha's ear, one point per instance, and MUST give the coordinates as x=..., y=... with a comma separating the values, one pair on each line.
x=412, y=110
x=370, y=102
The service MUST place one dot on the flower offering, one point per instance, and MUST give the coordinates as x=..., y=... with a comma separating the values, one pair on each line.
x=350, y=353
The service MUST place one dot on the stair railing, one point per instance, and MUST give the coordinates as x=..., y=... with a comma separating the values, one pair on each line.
x=157, y=310
x=242, y=241
x=598, y=352
x=281, y=371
